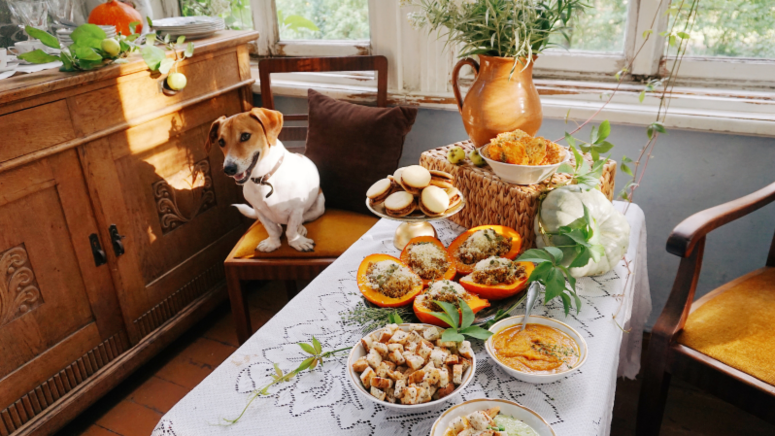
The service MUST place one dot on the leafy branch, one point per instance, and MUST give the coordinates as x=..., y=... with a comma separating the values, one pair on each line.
x=156, y=58
x=315, y=350
x=372, y=318
x=552, y=274
x=458, y=330
x=583, y=174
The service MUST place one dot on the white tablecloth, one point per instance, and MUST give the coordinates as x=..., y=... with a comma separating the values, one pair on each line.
x=322, y=402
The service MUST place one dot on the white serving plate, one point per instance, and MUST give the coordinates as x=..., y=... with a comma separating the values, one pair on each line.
x=535, y=319
x=522, y=174
x=507, y=407
x=357, y=352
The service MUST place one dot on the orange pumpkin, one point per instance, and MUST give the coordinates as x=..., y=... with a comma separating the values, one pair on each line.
x=374, y=295
x=426, y=315
x=498, y=292
x=448, y=275
x=462, y=268
x=117, y=14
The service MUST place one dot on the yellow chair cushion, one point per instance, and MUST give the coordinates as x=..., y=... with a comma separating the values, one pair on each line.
x=736, y=327
x=333, y=233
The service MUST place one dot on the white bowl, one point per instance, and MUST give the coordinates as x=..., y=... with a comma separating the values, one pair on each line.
x=535, y=319
x=357, y=352
x=507, y=407
x=522, y=174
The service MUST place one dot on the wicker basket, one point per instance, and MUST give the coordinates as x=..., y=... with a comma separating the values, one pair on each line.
x=489, y=200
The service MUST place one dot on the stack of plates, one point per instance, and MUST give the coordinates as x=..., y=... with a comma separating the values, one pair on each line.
x=64, y=34
x=191, y=27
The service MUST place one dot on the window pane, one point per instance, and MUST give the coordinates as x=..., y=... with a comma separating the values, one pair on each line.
x=732, y=28
x=323, y=19
x=235, y=13
x=599, y=28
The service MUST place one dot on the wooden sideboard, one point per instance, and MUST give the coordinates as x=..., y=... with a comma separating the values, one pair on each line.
x=114, y=224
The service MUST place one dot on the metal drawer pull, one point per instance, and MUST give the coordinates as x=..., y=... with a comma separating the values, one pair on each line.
x=100, y=258
x=115, y=239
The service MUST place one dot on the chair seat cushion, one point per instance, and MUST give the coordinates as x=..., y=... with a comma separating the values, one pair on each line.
x=736, y=327
x=333, y=233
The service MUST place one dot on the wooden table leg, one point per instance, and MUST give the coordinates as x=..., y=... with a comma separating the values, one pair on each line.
x=239, y=307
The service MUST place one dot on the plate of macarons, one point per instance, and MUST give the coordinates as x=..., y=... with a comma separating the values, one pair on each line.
x=415, y=193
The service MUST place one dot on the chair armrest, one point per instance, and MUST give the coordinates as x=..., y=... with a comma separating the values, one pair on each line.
x=685, y=236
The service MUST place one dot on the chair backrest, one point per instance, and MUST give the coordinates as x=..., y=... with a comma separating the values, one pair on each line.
x=316, y=65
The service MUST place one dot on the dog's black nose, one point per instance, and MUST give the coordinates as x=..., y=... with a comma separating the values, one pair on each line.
x=230, y=169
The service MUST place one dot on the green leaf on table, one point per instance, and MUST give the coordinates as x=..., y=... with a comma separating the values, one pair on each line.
x=167, y=38
x=38, y=57
x=541, y=272
x=451, y=335
x=452, y=313
x=442, y=317
x=87, y=54
x=467, y=314
x=133, y=27
x=307, y=348
x=305, y=364
x=189, y=50
x=535, y=255
x=166, y=65
x=555, y=252
x=477, y=332
x=89, y=31
x=181, y=39
x=46, y=38
x=316, y=345
x=153, y=56
x=150, y=22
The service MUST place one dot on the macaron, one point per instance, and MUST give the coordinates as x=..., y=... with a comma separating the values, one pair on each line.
x=442, y=179
x=434, y=201
x=454, y=197
x=400, y=204
x=396, y=179
x=414, y=178
x=379, y=191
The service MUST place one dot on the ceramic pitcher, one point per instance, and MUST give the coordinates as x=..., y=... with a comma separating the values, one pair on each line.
x=499, y=100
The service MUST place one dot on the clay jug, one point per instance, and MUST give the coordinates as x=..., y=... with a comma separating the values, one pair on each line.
x=498, y=100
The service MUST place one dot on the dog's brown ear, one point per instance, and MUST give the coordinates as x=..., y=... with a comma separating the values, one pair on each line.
x=215, y=128
x=271, y=121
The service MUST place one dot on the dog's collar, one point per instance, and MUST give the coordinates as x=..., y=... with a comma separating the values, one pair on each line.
x=263, y=179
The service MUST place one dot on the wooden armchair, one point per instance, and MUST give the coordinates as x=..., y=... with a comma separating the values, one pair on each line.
x=333, y=233
x=725, y=341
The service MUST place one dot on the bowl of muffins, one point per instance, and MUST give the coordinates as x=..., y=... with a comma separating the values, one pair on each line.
x=415, y=193
x=521, y=159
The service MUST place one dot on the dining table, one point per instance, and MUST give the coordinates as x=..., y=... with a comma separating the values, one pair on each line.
x=323, y=400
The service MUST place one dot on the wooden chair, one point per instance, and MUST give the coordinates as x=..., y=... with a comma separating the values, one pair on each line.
x=725, y=341
x=333, y=233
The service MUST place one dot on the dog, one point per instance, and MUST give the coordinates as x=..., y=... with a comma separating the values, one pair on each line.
x=283, y=188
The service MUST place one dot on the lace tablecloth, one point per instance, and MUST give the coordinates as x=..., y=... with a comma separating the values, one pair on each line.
x=322, y=402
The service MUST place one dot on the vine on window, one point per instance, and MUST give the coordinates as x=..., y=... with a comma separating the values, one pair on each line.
x=235, y=13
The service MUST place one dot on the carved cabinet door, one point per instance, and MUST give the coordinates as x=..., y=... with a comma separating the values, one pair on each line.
x=59, y=316
x=170, y=201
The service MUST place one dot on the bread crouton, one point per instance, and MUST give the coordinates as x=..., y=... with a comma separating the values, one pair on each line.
x=438, y=356
x=443, y=377
x=399, y=337
x=396, y=357
x=409, y=395
x=374, y=358
x=393, y=347
x=459, y=424
x=367, y=342
x=480, y=420
x=398, y=388
x=378, y=393
x=457, y=374
x=381, y=383
x=366, y=377
x=465, y=350
x=360, y=365
x=431, y=334
x=446, y=390
x=415, y=377
x=424, y=351
x=432, y=377
x=413, y=361
x=385, y=368
x=452, y=359
x=381, y=348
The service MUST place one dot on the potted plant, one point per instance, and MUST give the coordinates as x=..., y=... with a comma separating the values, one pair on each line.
x=507, y=35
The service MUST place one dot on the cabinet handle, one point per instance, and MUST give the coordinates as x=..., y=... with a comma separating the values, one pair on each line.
x=115, y=239
x=100, y=258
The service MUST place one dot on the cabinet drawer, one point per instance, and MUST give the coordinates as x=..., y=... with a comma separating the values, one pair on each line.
x=139, y=94
x=34, y=129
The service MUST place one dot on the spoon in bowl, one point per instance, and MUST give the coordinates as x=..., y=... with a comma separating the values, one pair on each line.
x=532, y=296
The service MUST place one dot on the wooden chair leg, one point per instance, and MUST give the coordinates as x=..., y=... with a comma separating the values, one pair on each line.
x=239, y=307
x=653, y=391
x=291, y=289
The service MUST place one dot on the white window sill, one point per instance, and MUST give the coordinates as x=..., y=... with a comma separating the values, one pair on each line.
x=704, y=109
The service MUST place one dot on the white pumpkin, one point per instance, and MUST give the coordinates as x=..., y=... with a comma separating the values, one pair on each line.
x=564, y=205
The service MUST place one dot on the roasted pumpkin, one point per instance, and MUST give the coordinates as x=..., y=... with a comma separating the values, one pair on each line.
x=449, y=274
x=465, y=269
x=426, y=315
x=498, y=292
x=377, y=297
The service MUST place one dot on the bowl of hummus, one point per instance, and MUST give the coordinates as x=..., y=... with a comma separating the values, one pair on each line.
x=546, y=351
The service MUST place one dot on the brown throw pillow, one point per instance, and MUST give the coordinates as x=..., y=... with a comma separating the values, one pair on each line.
x=353, y=146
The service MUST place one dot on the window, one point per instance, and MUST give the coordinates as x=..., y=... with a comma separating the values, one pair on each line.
x=323, y=19
x=235, y=13
x=600, y=29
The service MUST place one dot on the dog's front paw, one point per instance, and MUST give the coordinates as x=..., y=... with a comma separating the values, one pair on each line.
x=302, y=244
x=269, y=244
x=302, y=230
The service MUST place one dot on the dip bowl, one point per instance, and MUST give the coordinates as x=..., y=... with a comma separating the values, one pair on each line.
x=358, y=351
x=509, y=408
x=550, y=322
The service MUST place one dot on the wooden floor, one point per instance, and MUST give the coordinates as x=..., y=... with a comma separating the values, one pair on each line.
x=135, y=407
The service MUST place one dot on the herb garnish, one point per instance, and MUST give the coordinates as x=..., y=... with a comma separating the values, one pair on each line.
x=458, y=330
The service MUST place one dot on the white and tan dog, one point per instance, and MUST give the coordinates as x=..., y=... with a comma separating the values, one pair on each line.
x=282, y=187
